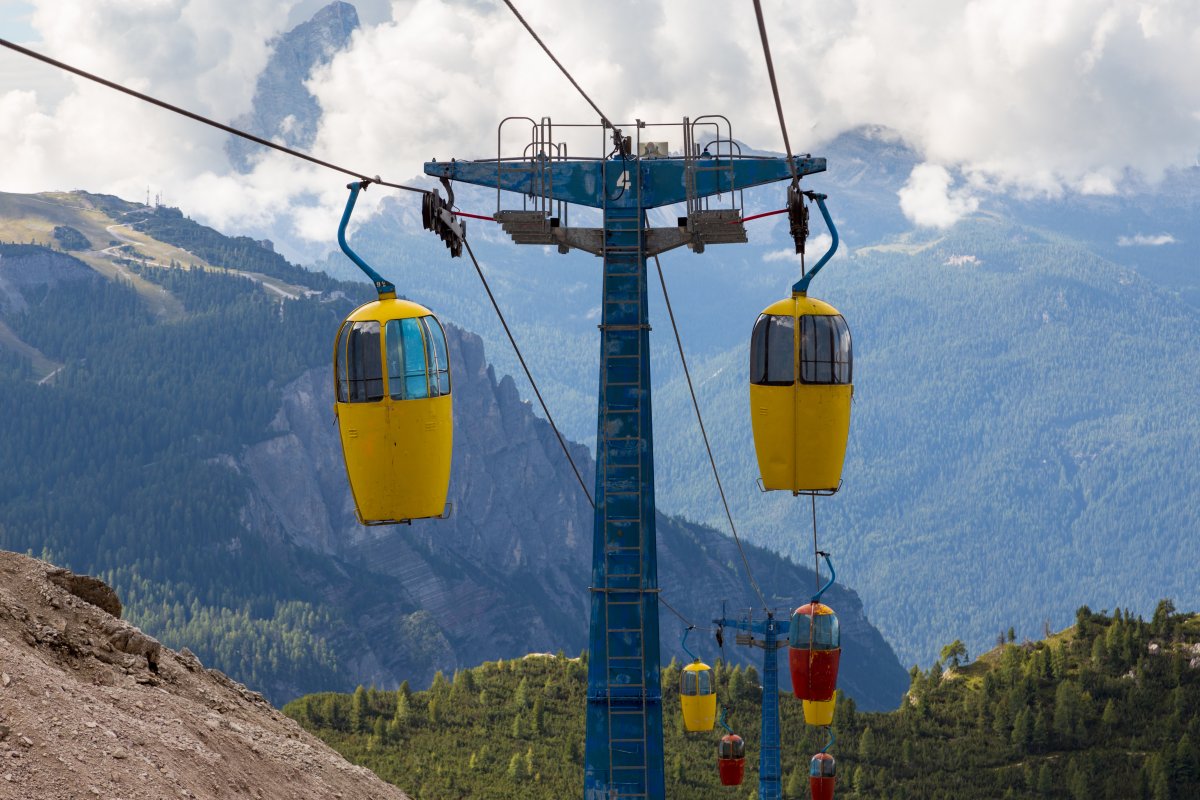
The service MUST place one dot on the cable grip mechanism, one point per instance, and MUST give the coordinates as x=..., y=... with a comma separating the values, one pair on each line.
x=437, y=215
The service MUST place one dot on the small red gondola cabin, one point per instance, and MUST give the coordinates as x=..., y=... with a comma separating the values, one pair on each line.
x=822, y=776
x=731, y=759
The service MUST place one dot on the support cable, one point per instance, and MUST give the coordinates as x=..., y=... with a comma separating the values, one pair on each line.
x=557, y=63
x=704, y=433
x=205, y=120
x=682, y=618
x=816, y=549
x=762, y=32
x=549, y=418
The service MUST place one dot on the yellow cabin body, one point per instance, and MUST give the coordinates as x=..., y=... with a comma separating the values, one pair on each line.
x=800, y=391
x=819, y=712
x=697, y=696
x=393, y=408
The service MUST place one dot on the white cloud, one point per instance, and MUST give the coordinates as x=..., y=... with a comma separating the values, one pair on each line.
x=1021, y=96
x=814, y=249
x=929, y=198
x=1145, y=240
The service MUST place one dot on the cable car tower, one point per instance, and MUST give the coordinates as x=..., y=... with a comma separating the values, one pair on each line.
x=771, y=635
x=624, y=749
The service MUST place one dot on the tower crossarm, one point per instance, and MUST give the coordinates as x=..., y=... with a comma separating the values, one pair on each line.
x=607, y=184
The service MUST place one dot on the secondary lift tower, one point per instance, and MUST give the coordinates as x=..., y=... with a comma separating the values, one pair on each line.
x=624, y=749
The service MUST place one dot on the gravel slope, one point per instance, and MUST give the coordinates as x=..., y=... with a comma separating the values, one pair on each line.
x=90, y=707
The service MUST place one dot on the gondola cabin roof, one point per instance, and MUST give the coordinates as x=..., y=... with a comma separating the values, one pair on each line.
x=808, y=609
x=798, y=305
x=389, y=309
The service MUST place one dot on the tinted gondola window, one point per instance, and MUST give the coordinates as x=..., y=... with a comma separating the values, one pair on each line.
x=825, y=351
x=695, y=682
x=439, y=362
x=822, y=768
x=731, y=747
x=824, y=635
x=406, y=360
x=771, y=351
x=341, y=386
x=360, y=365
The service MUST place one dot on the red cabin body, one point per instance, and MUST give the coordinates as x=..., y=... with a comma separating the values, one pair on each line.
x=732, y=770
x=814, y=673
x=821, y=776
x=822, y=788
x=731, y=759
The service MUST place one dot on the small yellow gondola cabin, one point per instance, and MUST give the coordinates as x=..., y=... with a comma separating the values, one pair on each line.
x=697, y=696
x=800, y=391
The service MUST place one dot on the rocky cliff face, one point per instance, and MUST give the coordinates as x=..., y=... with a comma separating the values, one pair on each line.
x=283, y=109
x=92, y=707
x=508, y=573
x=25, y=266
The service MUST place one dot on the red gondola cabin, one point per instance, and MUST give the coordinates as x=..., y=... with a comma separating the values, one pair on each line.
x=822, y=776
x=731, y=759
x=814, y=651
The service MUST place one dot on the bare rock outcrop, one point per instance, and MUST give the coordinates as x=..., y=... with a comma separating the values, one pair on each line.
x=92, y=707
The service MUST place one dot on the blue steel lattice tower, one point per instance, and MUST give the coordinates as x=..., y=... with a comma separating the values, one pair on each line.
x=623, y=756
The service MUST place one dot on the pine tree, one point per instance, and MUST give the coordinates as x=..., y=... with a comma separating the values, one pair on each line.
x=1109, y=718
x=797, y=784
x=514, y=767
x=539, y=717
x=1045, y=780
x=403, y=707
x=358, y=710
x=435, y=711
x=1040, y=740
x=866, y=746
x=1022, y=733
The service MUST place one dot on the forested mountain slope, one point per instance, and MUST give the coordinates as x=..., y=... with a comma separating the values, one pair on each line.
x=192, y=461
x=1105, y=710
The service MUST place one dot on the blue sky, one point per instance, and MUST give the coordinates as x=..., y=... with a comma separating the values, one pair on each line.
x=14, y=21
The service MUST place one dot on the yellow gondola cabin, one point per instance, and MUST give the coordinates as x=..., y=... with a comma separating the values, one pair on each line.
x=697, y=696
x=391, y=374
x=800, y=391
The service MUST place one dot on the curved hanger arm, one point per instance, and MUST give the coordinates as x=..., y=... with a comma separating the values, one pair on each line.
x=832, y=739
x=684, y=643
x=801, y=287
x=385, y=288
x=816, y=598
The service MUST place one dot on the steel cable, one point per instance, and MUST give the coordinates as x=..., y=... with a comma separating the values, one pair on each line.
x=704, y=433
x=202, y=119
x=508, y=332
x=762, y=32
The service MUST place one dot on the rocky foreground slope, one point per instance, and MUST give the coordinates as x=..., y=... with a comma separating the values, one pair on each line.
x=92, y=707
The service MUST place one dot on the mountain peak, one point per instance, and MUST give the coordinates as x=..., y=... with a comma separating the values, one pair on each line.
x=283, y=109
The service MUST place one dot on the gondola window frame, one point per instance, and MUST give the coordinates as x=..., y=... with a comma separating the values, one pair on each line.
x=826, y=350
x=772, y=350
x=358, y=349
